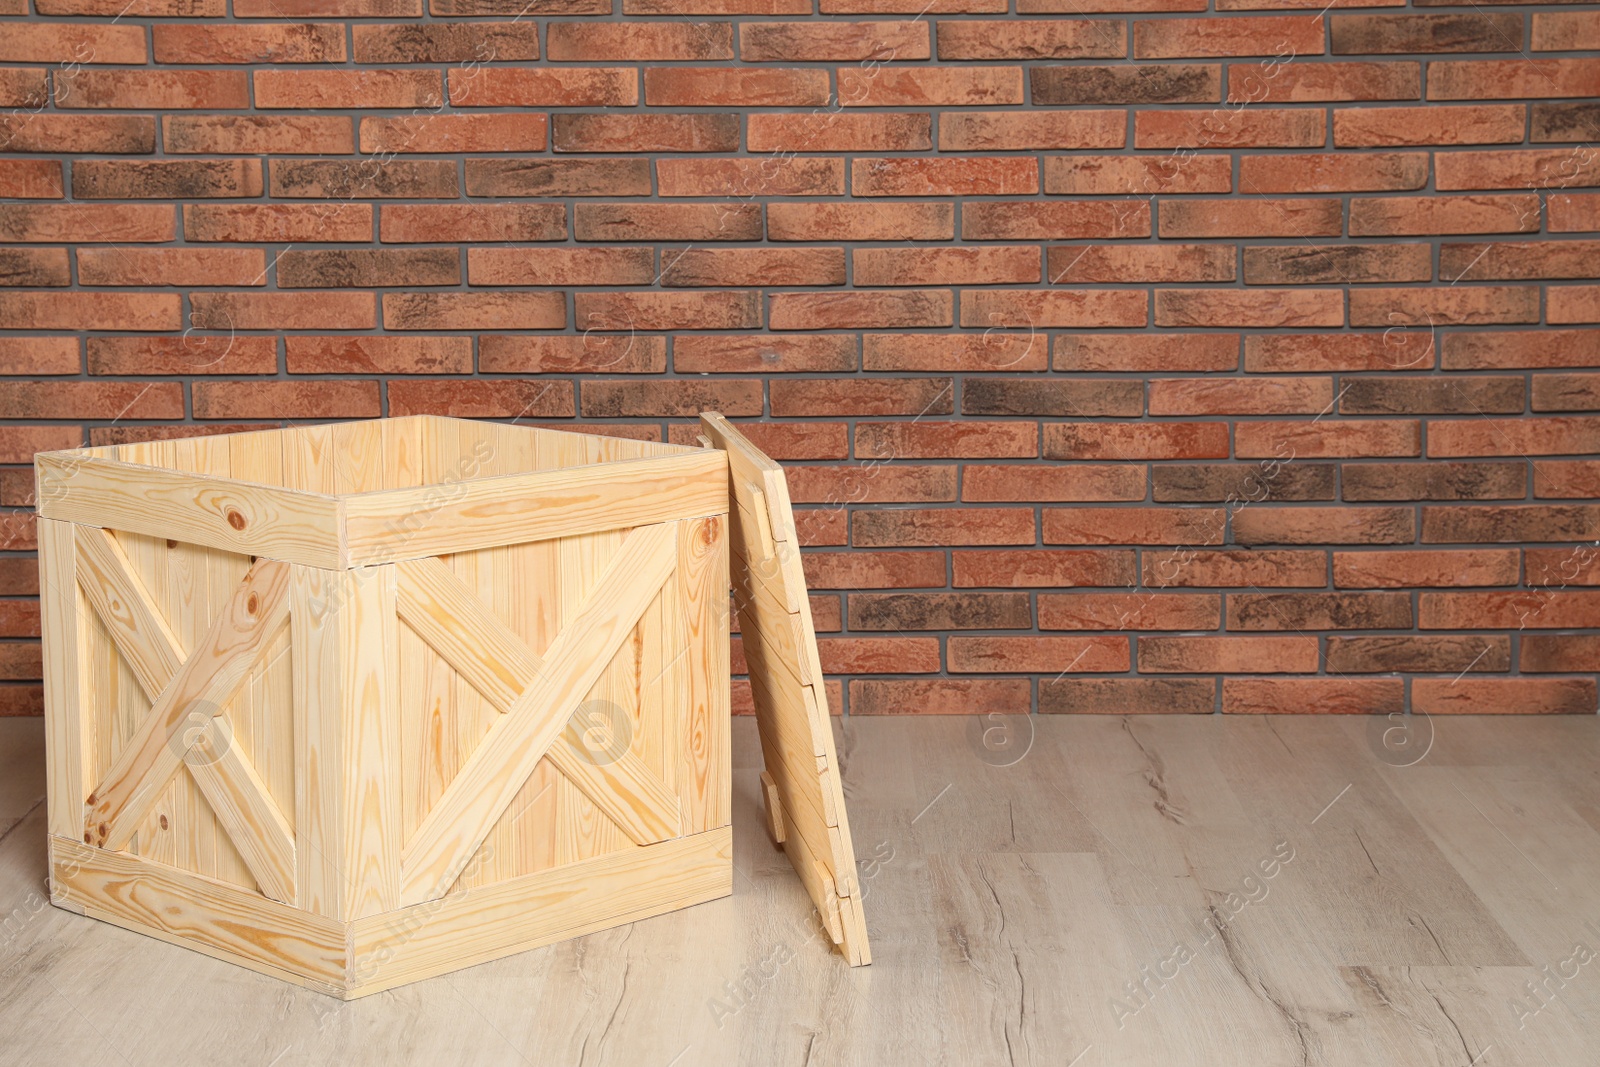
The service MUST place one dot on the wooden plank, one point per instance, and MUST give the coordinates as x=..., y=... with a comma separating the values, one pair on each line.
x=456, y=826
x=201, y=686
x=69, y=745
x=703, y=601
x=538, y=909
x=244, y=806
x=780, y=646
x=345, y=649
x=355, y=453
x=394, y=525
x=128, y=611
x=255, y=520
x=195, y=912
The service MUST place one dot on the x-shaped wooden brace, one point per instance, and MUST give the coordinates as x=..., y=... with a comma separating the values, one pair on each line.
x=179, y=687
x=538, y=698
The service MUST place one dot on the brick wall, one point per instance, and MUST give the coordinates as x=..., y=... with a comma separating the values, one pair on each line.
x=1126, y=355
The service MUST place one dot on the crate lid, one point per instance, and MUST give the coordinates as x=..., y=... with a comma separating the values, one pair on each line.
x=801, y=786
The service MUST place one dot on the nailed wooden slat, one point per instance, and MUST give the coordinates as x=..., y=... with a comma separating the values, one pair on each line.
x=128, y=611
x=69, y=747
x=480, y=792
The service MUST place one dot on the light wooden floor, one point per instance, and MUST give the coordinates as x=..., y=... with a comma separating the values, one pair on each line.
x=1015, y=913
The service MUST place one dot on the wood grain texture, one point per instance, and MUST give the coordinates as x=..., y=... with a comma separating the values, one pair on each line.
x=64, y=623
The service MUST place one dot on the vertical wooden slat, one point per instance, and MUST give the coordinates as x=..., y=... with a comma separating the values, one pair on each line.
x=69, y=747
x=344, y=644
x=702, y=600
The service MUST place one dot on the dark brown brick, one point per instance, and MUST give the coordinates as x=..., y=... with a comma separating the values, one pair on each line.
x=1249, y=483
x=939, y=611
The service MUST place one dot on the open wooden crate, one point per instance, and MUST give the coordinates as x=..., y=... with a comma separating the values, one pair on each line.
x=362, y=703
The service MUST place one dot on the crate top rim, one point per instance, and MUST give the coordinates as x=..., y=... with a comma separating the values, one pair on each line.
x=342, y=530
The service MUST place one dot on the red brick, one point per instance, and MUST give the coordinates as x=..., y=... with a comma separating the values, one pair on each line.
x=1134, y=526
x=643, y=133
x=991, y=350
x=550, y=398
x=941, y=696
x=49, y=132
x=968, y=439
x=820, y=41
x=1256, y=307
x=753, y=266
x=305, y=42
x=474, y=311
x=1572, y=303
x=588, y=353
x=794, y=440
x=165, y=179
x=735, y=87
x=1130, y=611
x=286, y=400
x=1527, y=169
x=283, y=311
x=1023, y=220
x=766, y=353
x=616, y=42
x=1313, y=696
x=1538, y=608
x=1338, y=264
x=1153, y=352
x=708, y=7
x=791, y=398
x=21, y=700
x=1077, y=264
x=322, y=268
x=1252, y=218
x=30, y=179
x=444, y=42
x=164, y=89
x=836, y=131
x=275, y=222
x=727, y=310
x=1324, y=526
x=38, y=355
x=1486, y=124
x=280, y=9
x=1334, y=172
x=1502, y=79
x=676, y=399
x=172, y=266
x=340, y=179
x=1127, y=696
x=1041, y=655
x=945, y=176
x=1230, y=128
x=258, y=134
x=991, y=265
x=1240, y=396
x=1031, y=39
x=1282, y=36
x=943, y=86
x=879, y=655
x=1257, y=568
x=859, y=222
x=1242, y=483
x=123, y=223
x=1161, y=440
x=939, y=611
x=999, y=131
x=380, y=355
x=1517, y=260
x=907, y=7
x=889, y=528
x=34, y=267
x=1353, y=438
x=558, y=266
x=1570, y=122
x=1501, y=696
x=1477, y=31
x=1127, y=83
x=749, y=178
x=477, y=223
x=512, y=176
x=1505, y=523
x=546, y=87
x=19, y=577
x=90, y=311
x=1551, y=478
x=1430, y=215
x=454, y=133
x=77, y=43
x=1430, y=653
x=1013, y=483
x=875, y=483
x=1013, y=308
x=92, y=400
x=874, y=570
x=1565, y=31
x=1436, y=480
x=1319, y=611
x=889, y=309
x=1027, y=568
x=667, y=222
x=1526, y=436
x=1138, y=175
x=1089, y=398
x=19, y=443
x=1227, y=655
x=1561, y=653
x=19, y=618
x=1298, y=83
x=23, y=87
x=1391, y=350
x=1459, y=306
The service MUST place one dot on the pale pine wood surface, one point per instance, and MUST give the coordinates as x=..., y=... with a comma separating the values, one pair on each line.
x=1008, y=906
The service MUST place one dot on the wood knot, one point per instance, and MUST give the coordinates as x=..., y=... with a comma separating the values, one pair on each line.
x=163, y=822
x=236, y=519
x=252, y=604
x=171, y=543
x=92, y=800
x=105, y=831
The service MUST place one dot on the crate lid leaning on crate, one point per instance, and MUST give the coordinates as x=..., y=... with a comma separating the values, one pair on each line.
x=362, y=703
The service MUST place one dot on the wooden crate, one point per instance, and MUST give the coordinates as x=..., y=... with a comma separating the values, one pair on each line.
x=358, y=704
